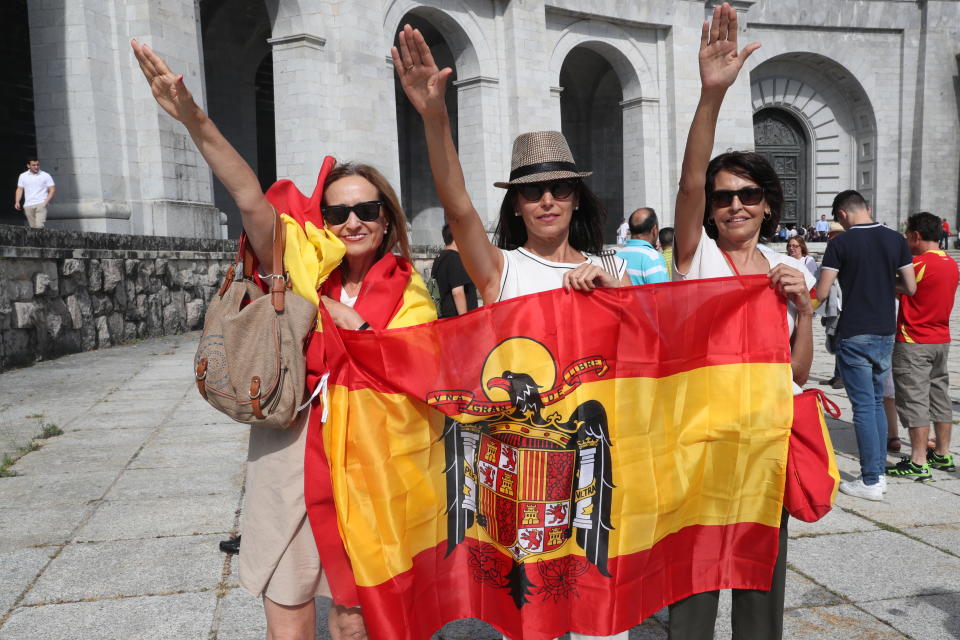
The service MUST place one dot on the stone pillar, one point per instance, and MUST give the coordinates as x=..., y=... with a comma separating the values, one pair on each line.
x=532, y=107
x=642, y=157
x=478, y=133
x=333, y=91
x=119, y=163
x=936, y=166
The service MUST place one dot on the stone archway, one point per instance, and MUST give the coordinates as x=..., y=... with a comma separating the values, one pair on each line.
x=835, y=115
x=418, y=195
x=780, y=138
x=591, y=121
x=235, y=50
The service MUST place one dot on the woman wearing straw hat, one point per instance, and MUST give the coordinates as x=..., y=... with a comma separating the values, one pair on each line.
x=550, y=230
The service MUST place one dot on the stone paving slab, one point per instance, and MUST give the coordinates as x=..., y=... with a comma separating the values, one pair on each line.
x=184, y=616
x=130, y=568
x=844, y=622
x=838, y=520
x=184, y=515
x=923, y=617
x=907, y=504
x=156, y=456
x=942, y=536
x=77, y=460
x=51, y=489
x=138, y=484
x=858, y=565
x=41, y=525
x=19, y=568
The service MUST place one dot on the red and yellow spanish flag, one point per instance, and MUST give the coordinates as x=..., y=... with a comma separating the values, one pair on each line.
x=559, y=461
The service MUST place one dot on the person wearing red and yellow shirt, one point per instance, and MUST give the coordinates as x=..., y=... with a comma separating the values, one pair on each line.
x=920, y=354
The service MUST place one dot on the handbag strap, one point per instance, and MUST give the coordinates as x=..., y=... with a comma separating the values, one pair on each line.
x=247, y=260
x=828, y=405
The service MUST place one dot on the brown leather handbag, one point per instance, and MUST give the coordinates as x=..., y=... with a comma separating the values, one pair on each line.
x=250, y=363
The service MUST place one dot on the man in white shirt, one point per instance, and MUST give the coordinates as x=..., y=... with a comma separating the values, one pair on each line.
x=36, y=188
x=822, y=228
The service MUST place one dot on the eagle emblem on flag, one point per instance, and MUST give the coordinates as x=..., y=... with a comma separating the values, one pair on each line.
x=530, y=478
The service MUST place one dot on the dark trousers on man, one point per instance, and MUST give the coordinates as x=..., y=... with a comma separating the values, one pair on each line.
x=755, y=615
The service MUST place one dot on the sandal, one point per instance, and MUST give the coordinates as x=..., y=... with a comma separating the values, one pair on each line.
x=893, y=444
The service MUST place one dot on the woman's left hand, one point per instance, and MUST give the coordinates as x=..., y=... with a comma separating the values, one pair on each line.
x=791, y=284
x=588, y=277
x=343, y=316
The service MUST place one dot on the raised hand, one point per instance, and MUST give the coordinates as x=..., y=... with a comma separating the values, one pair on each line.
x=424, y=84
x=168, y=89
x=720, y=62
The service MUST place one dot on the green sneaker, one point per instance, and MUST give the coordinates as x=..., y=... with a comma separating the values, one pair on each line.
x=906, y=468
x=942, y=463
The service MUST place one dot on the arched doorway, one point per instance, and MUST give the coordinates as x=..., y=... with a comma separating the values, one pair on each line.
x=418, y=195
x=780, y=138
x=17, y=129
x=237, y=65
x=591, y=119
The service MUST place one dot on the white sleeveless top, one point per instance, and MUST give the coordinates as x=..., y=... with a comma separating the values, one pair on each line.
x=524, y=273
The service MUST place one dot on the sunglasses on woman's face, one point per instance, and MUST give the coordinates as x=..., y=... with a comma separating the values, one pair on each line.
x=747, y=196
x=335, y=214
x=560, y=189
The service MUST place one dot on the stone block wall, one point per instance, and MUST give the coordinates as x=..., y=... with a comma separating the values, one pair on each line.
x=63, y=292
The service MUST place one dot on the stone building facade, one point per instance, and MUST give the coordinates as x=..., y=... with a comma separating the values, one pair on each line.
x=843, y=93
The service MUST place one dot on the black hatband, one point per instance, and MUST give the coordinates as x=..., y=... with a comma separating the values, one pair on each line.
x=541, y=167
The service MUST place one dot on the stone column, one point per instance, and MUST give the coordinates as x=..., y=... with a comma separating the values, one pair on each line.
x=333, y=91
x=527, y=82
x=478, y=133
x=119, y=163
x=642, y=157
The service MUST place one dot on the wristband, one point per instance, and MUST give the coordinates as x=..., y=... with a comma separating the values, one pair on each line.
x=363, y=327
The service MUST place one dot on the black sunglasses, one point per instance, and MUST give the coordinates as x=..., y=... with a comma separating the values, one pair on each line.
x=747, y=195
x=560, y=189
x=338, y=213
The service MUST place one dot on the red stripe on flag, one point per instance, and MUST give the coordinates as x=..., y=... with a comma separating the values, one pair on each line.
x=436, y=590
x=651, y=331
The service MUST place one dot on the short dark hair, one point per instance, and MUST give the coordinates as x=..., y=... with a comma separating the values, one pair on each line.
x=586, y=226
x=666, y=237
x=751, y=166
x=31, y=159
x=849, y=199
x=926, y=224
x=648, y=223
x=447, y=234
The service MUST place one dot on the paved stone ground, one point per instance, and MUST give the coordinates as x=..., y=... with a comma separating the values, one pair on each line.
x=110, y=530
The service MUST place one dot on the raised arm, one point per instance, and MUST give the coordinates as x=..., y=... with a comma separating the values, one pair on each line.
x=425, y=86
x=230, y=168
x=720, y=63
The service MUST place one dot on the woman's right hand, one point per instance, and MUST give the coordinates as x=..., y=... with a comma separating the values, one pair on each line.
x=424, y=84
x=168, y=89
x=720, y=63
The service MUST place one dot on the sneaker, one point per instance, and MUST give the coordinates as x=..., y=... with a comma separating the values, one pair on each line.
x=858, y=489
x=882, y=481
x=907, y=468
x=943, y=463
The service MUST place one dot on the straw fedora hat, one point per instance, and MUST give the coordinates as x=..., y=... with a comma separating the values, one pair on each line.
x=540, y=156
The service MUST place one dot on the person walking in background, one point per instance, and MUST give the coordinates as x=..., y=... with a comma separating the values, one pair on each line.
x=644, y=264
x=945, y=234
x=666, y=249
x=869, y=260
x=830, y=315
x=797, y=249
x=623, y=232
x=822, y=228
x=36, y=189
x=920, y=373
x=457, y=291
